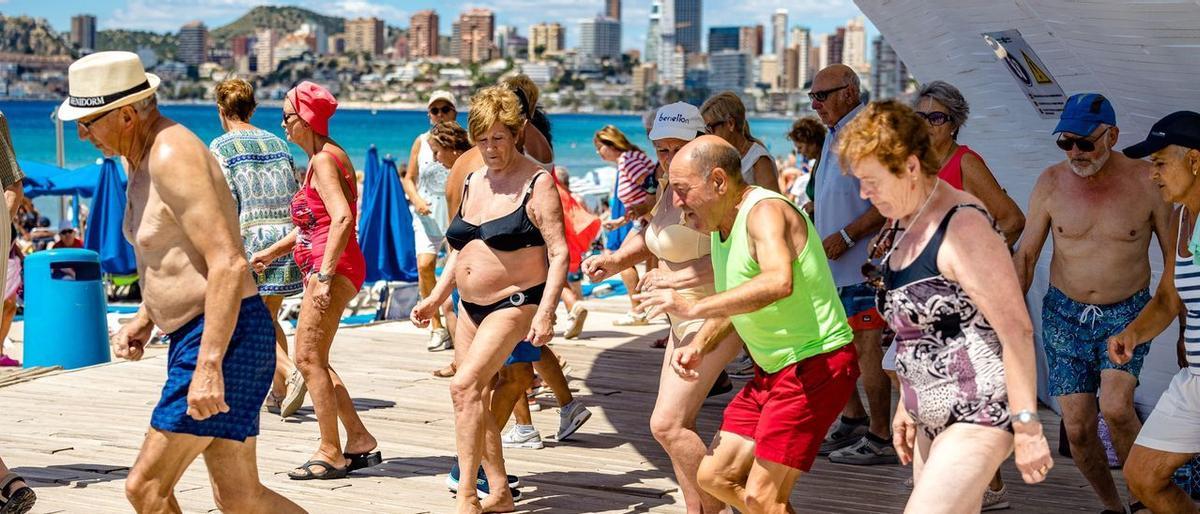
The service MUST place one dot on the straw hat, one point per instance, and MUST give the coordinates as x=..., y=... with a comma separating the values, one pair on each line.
x=104, y=81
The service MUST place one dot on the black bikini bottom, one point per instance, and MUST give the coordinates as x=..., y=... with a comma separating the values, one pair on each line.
x=531, y=296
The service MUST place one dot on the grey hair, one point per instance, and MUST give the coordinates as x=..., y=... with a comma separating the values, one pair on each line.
x=648, y=118
x=854, y=82
x=145, y=104
x=951, y=98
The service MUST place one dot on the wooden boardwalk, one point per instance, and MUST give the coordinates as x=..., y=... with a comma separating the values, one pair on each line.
x=75, y=434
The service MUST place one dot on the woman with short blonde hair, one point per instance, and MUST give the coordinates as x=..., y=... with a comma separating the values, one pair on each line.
x=509, y=262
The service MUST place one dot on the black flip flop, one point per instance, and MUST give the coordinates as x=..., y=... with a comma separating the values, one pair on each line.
x=363, y=460
x=330, y=472
x=19, y=501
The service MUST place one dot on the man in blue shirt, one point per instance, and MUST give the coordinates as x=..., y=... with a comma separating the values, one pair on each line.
x=847, y=223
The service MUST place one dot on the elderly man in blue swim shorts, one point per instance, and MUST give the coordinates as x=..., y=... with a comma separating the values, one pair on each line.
x=196, y=286
x=1101, y=208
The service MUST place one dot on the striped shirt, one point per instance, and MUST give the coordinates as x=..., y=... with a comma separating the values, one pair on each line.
x=634, y=172
x=1187, y=284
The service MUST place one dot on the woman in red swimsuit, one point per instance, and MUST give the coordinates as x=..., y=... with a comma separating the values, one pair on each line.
x=326, y=249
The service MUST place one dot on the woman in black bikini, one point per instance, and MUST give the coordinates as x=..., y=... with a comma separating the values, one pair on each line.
x=509, y=264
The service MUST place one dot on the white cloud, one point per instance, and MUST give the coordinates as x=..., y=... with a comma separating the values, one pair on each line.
x=362, y=9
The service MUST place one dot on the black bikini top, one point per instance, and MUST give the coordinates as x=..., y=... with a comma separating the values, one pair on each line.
x=508, y=233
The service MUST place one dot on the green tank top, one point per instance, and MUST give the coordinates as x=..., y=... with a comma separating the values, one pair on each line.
x=809, y=322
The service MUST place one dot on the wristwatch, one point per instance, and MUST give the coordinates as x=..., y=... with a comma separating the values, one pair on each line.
x=1025, y=416
x=846, y=237
x=321, y=277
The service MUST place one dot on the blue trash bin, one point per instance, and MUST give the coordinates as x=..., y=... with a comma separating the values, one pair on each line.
x=66, y=321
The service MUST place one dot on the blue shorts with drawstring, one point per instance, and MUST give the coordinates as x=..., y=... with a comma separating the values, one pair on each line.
x=1076, y=334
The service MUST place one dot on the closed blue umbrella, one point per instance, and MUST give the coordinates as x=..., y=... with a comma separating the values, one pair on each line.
x=385, y=225
x=104, y=231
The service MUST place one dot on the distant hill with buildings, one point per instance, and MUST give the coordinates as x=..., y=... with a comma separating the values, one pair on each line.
x=286, y=19
x=165, y=45
x=26, y=35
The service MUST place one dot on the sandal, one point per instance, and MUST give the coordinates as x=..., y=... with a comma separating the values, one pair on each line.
x=17, y=501
x=445, y=372
x=329, y=472
x=363, y=460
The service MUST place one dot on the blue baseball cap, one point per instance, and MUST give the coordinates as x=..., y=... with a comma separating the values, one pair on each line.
x=1084, y=112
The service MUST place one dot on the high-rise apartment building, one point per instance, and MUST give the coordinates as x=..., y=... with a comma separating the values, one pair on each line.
x=473, y=35
x=264, y=50
x=724, y=38
x=599, y=39
x=889, y=75
x=750, y=40
x=779, y=31
x=654, y=33
x=854, y=46
x=791, y=68
x=546, y=39
x=423, y=34
x=802, y=41
x=365, y=35
x=193, y=43
x=687, y=17
x=729, y=71
x=612, y=9
x=83, y=32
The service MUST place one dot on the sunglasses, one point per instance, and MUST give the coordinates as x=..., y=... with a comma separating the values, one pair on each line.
x=87, y=125
x=872, y=270
x=288, y=116
x=1083, y=144
x=820, y=96
x=935, y=118
x=710, y=127
x=441, y=110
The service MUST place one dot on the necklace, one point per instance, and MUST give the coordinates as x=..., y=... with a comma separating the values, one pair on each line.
x=896, y=243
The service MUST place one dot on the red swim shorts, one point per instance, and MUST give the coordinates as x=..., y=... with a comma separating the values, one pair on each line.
x=787, y=413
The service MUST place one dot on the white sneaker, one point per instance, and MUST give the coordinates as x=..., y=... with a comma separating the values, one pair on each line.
x=439, y=340
x=631, y=319
x=521, y=436
x=578, y=315
x=570, y=418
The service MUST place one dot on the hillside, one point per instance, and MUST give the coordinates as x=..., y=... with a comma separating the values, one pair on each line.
x=284, y=18
x=25, y=35
x=164, y=45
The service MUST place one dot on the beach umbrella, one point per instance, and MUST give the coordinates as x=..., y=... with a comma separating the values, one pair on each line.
x=385, y=225
x=371, y=172
x=39, y=177
x=104, y=231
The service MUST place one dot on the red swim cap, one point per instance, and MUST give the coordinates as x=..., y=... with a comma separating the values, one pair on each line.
x=315, y=105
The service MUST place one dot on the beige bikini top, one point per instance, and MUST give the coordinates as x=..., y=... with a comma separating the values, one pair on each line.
x=668, y=238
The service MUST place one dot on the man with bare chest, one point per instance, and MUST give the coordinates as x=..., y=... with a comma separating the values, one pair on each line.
x=196, y=286
x=1101, y=209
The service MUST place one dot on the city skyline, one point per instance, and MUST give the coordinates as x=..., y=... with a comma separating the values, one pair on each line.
x=171, y=15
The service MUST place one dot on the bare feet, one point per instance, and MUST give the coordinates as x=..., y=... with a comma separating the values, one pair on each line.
x=361, y=444
x=469, y=505
x=499, y=501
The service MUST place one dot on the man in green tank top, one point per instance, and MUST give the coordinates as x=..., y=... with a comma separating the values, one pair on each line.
x=775, y=288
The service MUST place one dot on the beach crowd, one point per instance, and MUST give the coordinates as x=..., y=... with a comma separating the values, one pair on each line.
x=797, y=277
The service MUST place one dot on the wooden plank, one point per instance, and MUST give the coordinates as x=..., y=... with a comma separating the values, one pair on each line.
x=74, y=434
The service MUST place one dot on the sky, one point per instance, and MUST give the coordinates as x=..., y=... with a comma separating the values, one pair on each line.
x=168, y=15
